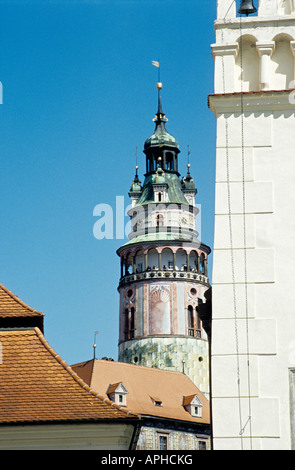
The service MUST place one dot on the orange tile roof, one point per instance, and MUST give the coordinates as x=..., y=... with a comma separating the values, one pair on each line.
x=144, y=384
x=36, y=385
x=12, y=306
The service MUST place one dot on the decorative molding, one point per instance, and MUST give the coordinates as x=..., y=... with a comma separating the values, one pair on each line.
x=225, y=49
x=271, y=100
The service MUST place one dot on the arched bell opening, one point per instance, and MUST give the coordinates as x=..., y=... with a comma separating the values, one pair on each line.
x=282, y=63
x=248, y=64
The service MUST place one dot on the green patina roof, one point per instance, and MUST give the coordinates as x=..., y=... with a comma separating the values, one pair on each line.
x=174, y=190
x=161, y=137
x=162, y=236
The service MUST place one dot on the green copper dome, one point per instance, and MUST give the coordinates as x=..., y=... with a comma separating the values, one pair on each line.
x=136, y=183
x=160, y=137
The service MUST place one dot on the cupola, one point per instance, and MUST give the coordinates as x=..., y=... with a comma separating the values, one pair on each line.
x=161, y=148
x=136, y=188
x=188, y=187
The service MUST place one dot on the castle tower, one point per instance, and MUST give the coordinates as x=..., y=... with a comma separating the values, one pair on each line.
x=164, y=267
x=253, y=384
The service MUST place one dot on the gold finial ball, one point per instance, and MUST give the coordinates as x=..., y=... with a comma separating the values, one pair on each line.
x=159, y=86
x=136, y=167
x=188, y=165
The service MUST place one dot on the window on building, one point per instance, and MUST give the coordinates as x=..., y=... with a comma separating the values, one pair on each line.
x=169, y=161
x=126, y=321
x=163, y=441
x=202, y=445
x=159, y=220
x=129, y=323
x=190, y=320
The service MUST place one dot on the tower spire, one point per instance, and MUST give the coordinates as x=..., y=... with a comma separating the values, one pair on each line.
x=160, y=115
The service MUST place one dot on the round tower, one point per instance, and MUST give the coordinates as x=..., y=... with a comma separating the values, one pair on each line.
x=164, y=267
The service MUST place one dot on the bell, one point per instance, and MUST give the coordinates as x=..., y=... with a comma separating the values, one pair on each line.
x=247, y=7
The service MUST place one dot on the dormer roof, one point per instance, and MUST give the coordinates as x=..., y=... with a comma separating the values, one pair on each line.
x=192, y=400
x=117, y=387
x=151, y=392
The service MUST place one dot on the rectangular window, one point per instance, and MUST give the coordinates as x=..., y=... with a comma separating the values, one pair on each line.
x=163, y=441
x=202, y=445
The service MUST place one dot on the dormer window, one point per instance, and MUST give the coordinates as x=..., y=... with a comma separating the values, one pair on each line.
x=193, y=405
x=117, y=393
x=156, y=401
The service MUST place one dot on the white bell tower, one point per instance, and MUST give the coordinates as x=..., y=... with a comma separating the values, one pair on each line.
x=253, y=294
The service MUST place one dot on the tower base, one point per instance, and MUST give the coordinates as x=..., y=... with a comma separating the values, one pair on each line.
x=175, y=353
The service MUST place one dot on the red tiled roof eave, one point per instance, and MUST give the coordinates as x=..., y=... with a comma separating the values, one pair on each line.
x=38, y=386
x=12, y=306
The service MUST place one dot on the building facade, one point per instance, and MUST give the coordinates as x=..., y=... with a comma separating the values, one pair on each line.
x=252, y=282
x=164, y=267
x=175, y=415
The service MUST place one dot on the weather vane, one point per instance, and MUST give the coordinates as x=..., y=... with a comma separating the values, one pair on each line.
x=156, y=63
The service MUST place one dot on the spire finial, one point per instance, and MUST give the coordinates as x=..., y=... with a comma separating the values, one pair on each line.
x=160, y=115
x=94, y=344
x=136, y=166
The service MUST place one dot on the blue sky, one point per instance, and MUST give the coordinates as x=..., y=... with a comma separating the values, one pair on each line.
x=78, y=97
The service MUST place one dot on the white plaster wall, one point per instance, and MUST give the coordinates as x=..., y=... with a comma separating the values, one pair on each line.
x=253, y=326
x=66, y=437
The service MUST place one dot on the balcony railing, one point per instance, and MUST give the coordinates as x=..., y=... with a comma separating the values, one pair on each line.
x=164, y=274
x=195, y=333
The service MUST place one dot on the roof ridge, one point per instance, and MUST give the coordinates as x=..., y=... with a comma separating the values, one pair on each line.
x=76, y=377
x=127, y=364
x=18, y=300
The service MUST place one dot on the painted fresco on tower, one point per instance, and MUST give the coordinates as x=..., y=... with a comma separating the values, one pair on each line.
x=159, y=310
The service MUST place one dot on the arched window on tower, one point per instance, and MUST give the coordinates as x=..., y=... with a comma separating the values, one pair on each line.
x=197, y=324
x=159, y=220
x=126, y=323
x=190, y=321
x=202, y=264
x=132, y=323
x=193, y=322
x=129, y=323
